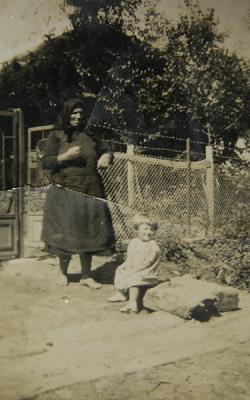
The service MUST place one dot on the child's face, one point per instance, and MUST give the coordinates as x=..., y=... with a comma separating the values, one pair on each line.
x=145, y=232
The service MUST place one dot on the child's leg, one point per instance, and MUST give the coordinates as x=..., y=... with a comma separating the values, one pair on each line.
x=120, y=283
x=86, y=279
x=64, y=264
x=133, y=304
x=134, y=294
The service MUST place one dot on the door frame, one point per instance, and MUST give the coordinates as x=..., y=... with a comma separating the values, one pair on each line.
x=15, y=221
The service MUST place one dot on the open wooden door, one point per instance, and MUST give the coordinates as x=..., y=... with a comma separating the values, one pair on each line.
x=11, y=183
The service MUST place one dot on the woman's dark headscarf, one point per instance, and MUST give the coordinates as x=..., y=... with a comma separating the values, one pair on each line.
x=86, y=104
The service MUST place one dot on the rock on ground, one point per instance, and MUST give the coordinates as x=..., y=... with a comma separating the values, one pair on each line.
x=191, y=298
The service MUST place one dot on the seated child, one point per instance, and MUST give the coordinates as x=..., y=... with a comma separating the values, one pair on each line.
x=141, y=266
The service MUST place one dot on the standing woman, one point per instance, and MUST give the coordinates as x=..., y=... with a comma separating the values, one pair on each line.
x=76, y=218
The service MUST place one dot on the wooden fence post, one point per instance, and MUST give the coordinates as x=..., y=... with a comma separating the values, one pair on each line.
x=21, y=179
x=131, y=176
x=188, y=157
x=210, y=193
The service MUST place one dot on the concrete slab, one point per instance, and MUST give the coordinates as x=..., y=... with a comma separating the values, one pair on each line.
x=191, y=298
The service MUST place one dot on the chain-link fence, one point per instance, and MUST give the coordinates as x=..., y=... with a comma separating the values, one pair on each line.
x=232, y=200
x=188, y=200
x=173, y=193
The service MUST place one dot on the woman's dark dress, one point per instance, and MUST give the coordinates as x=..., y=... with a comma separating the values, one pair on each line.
x=76, y=220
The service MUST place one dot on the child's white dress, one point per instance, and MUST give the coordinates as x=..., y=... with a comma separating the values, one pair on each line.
x=141, y=265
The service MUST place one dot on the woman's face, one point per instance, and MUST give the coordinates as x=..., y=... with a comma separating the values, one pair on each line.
x=76, y=117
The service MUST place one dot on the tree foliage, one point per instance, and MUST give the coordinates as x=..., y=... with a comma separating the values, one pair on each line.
x=191, y=86
x=154, y=79
x=69, y=65
x=114, y=13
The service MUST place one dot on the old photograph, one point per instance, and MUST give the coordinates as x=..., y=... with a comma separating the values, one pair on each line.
x=124, y=199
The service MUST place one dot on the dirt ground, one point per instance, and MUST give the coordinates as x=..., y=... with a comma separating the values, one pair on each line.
x=70, y=343
x=223, y=375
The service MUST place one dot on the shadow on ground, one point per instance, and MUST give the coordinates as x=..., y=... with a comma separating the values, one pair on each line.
x=104, y=274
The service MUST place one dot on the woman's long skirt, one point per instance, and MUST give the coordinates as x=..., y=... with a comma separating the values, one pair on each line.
x=76, y=222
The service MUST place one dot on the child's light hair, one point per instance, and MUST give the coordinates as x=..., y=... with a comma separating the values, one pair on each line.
x=140, y=219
